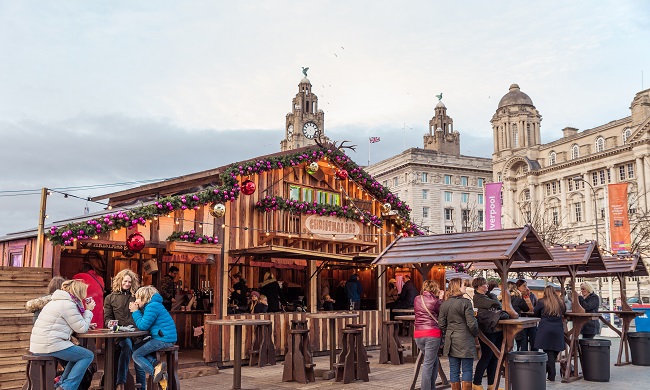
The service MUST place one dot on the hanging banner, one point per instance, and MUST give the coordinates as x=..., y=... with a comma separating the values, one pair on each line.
x=493, y=206
x=619, y=223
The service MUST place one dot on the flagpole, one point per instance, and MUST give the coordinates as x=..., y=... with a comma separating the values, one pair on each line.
x=368, y=151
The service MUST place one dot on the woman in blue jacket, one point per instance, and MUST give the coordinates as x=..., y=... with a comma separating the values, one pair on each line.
x=149, y=314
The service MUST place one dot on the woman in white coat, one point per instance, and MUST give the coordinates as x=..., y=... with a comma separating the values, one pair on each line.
x=67, y=312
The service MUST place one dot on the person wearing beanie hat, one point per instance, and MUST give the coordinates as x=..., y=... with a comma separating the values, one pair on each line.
x=255, y=297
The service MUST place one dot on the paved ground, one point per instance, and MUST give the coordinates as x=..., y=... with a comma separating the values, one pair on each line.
x=386, y=376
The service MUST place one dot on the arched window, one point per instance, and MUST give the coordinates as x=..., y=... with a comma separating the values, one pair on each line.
x=575, y=152
x=515, y=136
x=552, y=158
x=626, y=135
x=600, y=144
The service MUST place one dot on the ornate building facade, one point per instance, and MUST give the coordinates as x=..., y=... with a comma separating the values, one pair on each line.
x=306, y=121
x=443, y=188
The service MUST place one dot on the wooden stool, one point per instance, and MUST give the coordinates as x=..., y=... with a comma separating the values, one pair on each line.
x=391, y=348
x=262, y=350
x=41, y=371
x=169, y=356
x=359, y=326
x=353, y=362
x=298, y=363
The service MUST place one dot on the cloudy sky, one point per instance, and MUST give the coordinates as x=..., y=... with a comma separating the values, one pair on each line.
x=97, y=93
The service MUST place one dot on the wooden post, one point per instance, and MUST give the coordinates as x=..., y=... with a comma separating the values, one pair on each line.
x=40, y=238
x=381, y=292
x=312, y=290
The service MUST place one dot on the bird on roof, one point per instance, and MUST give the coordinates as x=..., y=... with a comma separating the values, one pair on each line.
x=304, y=70
x=439, y=96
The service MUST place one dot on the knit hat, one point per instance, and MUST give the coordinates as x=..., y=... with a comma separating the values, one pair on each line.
x=255, y=293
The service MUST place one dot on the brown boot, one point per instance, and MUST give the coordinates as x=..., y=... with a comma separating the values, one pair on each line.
x=467, y=385
x=455, y=385
x=477, y=387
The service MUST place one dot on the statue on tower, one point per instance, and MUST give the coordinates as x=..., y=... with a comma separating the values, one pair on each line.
x=304, y=70
x=438, y=96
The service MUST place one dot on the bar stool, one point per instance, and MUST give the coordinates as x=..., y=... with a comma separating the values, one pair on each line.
x=359, y=326
x=391, y=347
x=353, y=362
x=169, y=356
x=262, y=350
x=41, y=371
x=298, y=363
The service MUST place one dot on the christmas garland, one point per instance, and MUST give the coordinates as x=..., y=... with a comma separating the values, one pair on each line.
x=191, y=236
x=230, y=189
x=272, y=203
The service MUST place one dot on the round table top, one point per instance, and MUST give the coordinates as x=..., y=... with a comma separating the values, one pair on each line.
x=520, y=320
x=405, y=318
x=239, y=322
x=572, y=314
x=629, y=312
x=333, y=314
x=109, y=334
x=402, y=310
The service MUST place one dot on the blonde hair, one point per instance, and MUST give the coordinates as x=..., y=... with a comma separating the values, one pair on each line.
x=119, y=278
x=431, y=286
x=76, y=287
x=453, y=289
x=587, y=287
x=264, y=299
x=145, y=293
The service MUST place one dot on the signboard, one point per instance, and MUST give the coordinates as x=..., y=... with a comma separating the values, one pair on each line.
x=331, y=227
x=619, y=223
x=103, y=245
x=493, y=206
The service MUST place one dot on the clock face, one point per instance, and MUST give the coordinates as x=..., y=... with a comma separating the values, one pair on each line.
x=310, y=130
x=290, y=130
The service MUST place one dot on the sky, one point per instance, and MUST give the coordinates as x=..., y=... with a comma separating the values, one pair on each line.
x=98, y=93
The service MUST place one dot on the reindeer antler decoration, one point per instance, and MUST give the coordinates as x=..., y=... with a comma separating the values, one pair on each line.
x=325, y=143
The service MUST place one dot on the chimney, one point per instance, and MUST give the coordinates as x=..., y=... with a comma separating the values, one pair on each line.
x=569, y=131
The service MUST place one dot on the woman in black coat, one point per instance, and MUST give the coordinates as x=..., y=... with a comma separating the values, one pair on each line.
x=590, y=302
x=550, y=331
x=271, y=288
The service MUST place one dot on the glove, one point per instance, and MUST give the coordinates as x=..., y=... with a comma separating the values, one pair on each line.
x=129, y=328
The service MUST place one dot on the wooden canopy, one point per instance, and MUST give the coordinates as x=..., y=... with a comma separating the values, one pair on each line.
x=501, y=247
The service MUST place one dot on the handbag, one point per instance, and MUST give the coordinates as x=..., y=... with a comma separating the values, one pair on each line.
x=442, y=337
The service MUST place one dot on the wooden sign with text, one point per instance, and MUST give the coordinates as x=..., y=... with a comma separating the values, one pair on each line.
x=329, y=227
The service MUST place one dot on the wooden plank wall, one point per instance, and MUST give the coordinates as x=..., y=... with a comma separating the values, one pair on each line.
x=17, y=286
x=319, y=333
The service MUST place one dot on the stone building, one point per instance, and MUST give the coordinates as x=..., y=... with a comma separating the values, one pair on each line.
x=306, y=121
x=539, y=180
x=443, y=188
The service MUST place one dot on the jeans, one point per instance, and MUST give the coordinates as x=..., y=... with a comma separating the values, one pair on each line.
x=488, y=360
x=143, y=356
x=455, y=367
x=126, y=350
x=429, y=347
x=78, y=358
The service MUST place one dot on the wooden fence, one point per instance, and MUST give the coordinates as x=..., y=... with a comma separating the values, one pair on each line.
x=319, y=333
x=17, y=286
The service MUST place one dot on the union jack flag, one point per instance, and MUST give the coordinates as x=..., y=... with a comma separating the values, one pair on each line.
x=374, y=139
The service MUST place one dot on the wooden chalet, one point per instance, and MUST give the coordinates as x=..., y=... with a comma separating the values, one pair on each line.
x=310, y=215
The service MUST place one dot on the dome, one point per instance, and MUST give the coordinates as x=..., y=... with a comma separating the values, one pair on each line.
x=440, y=105
x=305, y=80
x=514, y=97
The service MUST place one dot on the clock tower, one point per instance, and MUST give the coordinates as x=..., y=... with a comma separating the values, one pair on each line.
x=305, y=121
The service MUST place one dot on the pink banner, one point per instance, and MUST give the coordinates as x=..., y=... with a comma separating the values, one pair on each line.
x=493, y=206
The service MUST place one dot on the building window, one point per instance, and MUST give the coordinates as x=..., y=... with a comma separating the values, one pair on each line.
x=464, y=197
x=594, y=178
x=626, y=135
x=464, y=214
x=569, y=183
x=479, y=198
x=294, y=192
x=449, y=214
x=552, y=188
x=499, y=177
x=480, y=217
x=600, y=144
x=601, y=175
x=527, y=195
x=480, y=182
x=515, y=136
x=449, y=229
x=630, y=171
x=395, y=181
x=529, y=135
x=448, y=196
x=447, y=179
x=555, y=215
x=15, y=259
x=577, y=212
x=621, y=172
x=425, y=212
x=424, y=177
x=425, y=194
x=552, y=157
x=385, y=183
x=575, y=152
x=464, y=181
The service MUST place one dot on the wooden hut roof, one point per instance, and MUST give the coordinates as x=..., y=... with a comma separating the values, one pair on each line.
x=629, y=265
x=482, y=246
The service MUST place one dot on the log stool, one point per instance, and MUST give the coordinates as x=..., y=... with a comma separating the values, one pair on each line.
x=391, y=348
x=353, y=362
x=298, y=363
x=41, y=371
x=262, y=350
x=169, y=356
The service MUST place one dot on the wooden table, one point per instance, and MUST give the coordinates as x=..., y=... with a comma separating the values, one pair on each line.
x=626, y=317
x=572, y=336
x=444, y=382
x=110, y=336
x=411, y=320
x=332, y=316
x=510, y=328
x=238, y=323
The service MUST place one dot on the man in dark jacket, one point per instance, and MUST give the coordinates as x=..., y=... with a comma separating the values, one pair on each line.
x=354, y=290
x=239, y=290
x=407, y=296
x=168, y=287
x=530, y=300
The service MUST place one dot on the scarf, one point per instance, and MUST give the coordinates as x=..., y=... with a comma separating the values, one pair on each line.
x=80, y=305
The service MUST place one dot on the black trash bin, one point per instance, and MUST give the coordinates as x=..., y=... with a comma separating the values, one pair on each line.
x=527, y=370
x=640, y=348
x=594, y=358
